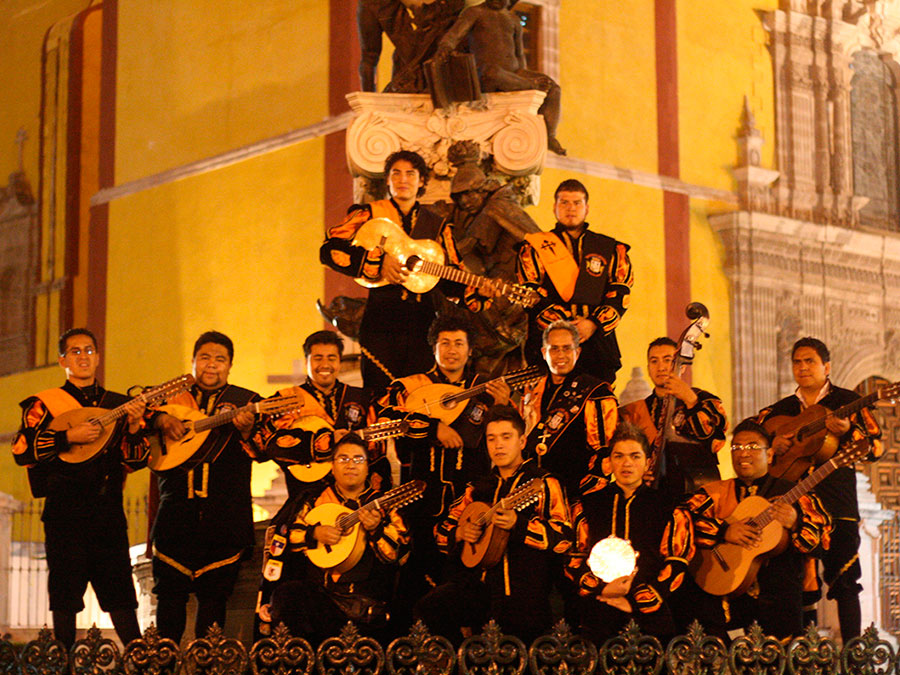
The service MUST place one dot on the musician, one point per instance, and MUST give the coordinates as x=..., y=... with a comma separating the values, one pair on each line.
x=315, y=603
x=571, y=414
x=85, y=531
x=338, y=405
x=627, y=509
x=774, y=600
x=515, y=592
x=401, y=352
x=811, y=364
x=584, y=277
x=204, y=523
x=698, y=417
x=445, y=456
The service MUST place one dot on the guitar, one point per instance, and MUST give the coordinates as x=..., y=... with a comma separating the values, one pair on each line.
x=443, y=400
x=166, y=454
x=488, y=550
x=106, y=418
x=730, y=569
x=380, y=431
x=343, y=555
x=812, y=442
x=688, y=343
x=424, y=259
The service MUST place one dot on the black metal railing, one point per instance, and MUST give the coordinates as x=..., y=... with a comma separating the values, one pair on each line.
x=488, y=653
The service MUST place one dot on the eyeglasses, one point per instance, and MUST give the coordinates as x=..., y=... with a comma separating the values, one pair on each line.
x=752, y=447
x=77, y=351
x=561, y=349
x=345, y=459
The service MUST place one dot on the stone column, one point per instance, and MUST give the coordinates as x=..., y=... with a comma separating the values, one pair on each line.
x=8, y=506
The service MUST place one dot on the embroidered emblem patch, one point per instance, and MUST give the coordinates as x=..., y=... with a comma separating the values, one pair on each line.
x=353, y=413
x=594, y=263
x=279, y=543
x=557, y=420
x=272, y=572
x=340, y=258
x=477, y=413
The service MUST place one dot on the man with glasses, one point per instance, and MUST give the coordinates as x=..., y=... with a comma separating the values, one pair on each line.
x=571, y=415
x=701, y=522
x=86, y=534
x=315, y=603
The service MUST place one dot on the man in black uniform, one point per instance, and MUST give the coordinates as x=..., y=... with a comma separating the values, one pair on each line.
x=204, y=523
x=811, y=362
x=328, y=404
x=584, y=277
x=698, y=417
x=401, y=352
x=86, y=534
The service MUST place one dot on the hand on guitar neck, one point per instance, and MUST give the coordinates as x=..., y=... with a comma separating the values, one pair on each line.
x=329, y=535
x=471, y=532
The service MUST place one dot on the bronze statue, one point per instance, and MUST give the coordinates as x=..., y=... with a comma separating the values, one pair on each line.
x=495, y=39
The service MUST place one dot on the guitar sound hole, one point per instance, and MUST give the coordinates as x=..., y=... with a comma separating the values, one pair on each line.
x=447, y=402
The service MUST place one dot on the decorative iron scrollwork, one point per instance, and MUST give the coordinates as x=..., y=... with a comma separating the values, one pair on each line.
x=492, y=653
x=282, y=654
x=811, y=654
x=151, y=655
x=9, y=658
x=95, y=655
x=215, y=654
x=350, y=654
x=44, y=656
x=632, y=653
x=420, y=653
x=867, y=655
x=696, y=653
x=756, y=653
x=562, y=653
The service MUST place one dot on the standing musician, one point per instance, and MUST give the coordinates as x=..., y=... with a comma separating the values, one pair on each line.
x=811, y=363
x=699, y=417
x=315, y=603
x=774, y=600
x=204, y=523
x=584, y=277
x=515, y=592
x=445, y=456
x=627, y=509
x=402, y=352
x=571, y=414
x=340, y=406
x=85, y=531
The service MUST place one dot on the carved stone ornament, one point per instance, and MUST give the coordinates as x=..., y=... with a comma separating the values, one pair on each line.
x=504, y=124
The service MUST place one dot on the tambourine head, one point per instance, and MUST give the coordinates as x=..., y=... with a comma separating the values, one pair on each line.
x=612, y=558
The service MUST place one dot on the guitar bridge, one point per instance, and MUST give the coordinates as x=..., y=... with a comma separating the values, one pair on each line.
x=720, y=559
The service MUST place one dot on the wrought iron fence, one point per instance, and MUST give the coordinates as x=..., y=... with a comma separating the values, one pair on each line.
x=489, y=653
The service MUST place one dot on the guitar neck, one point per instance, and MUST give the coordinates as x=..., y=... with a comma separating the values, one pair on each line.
x=224, y=417
x=383, y=430
x=457, y=275
x=842, y=412
x=386, y=502
x=150, y=397
x=800, y=489
x=512, y=379
x=517, y=500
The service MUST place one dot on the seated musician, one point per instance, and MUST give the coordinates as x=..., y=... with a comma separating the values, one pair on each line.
x=446, y=456
x=315, y=603
x=698, y=417
x=626, y=509
x=399, y=352
x=774, y=599
x=85, y=530
x=301, y=437
x=811, y=363
x=571, y=415
x=515, y=591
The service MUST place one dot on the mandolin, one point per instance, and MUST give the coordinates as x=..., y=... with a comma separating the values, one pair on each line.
x=343, y=555
x=730, y=569
x=442, y=401
x=166, y=454
x=380, y=431
x=106, y=419
x=812, y=442
x=488, y=550
x=424, y=259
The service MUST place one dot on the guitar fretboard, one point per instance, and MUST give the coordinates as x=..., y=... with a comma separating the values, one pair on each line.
x=514, y=380
x=392, y=498
x=149, y=397
x=816, y=426
x=516, y=500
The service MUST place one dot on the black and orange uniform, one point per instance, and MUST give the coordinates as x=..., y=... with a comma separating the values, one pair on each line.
x=315, y=603
x=838, y=493
x=344, y=407
x=204, y=523
x=571, y=424
x=85, y=530
x=446, y=471
x=402, y=351
x=774, y=600
x=515, y=592
x=686, y=465
x=586, y=277
x=641, y=519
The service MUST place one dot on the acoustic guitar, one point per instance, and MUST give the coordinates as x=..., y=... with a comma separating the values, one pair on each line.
x=106, y=419
x=442, y=401
x=380, y=431
x=424, y=259
x=343, y=555
x=488, y=550
x=166, y=454
x=812, y=442
x=730, y=569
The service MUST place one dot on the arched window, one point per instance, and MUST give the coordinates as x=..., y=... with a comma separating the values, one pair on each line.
x=873, y=106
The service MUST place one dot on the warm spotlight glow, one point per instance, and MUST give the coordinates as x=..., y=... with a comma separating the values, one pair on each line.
x=612, y=558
